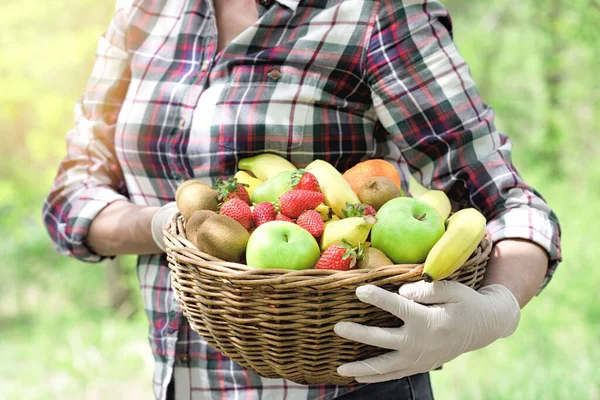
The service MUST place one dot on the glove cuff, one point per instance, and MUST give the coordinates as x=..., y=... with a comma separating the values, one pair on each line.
x=507, y=308
x=159, y=220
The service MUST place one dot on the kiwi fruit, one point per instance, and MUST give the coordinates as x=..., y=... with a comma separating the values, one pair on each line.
x=377, y=191
x=222, y=237
x=373, y=258
x=193, y=224
x=194, y=196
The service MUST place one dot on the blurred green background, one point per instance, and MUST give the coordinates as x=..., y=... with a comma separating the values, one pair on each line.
x=77, y=331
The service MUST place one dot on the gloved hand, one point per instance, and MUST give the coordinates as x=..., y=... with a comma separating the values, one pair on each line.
x=162, y=216
x=442, y=320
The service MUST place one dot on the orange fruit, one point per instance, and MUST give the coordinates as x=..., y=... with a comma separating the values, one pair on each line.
x=363, y=171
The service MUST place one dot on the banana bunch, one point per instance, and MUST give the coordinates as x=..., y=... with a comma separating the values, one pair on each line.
x=353, y=229
x=266, y=165
x=464, y=231
x=335, y=188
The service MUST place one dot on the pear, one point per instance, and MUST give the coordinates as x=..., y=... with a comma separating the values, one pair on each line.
x=270, y=190
x=373, y=258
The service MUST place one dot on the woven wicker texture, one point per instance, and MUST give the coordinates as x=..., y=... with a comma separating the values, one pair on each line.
x=279, y=323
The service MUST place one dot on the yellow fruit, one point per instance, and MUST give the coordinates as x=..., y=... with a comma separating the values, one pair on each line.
x=439, y=201
x=463, y=234
x=265, y=166
x=325, y=212
x=250, y=182
x=415, y=188
x=354, y=229
x=335, y=188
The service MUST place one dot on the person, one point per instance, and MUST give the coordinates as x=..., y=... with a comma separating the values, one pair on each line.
x=183, y=90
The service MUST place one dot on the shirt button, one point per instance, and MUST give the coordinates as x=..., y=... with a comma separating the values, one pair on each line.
x=181, y=123
x=274, y=74
x=204, y=66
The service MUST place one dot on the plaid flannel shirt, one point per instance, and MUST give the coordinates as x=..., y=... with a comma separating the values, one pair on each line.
x=343, y=81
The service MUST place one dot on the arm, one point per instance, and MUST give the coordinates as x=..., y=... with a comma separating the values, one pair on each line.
x=518, y=265
x=123, y=228
x=87, y=211
x=425, y=97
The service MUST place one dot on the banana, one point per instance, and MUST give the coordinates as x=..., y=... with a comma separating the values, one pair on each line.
x=325, y=212
x=354, y=229
x=335, y=188
x=438, y=200
x=251, y=182
x=266, y=165
x=464, y=232
x=333, y=219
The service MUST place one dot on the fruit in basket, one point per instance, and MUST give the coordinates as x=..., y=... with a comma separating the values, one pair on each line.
x=222, y=237
x=280, y=244
x=193, y=224
x=237, y=210
x=194, y=195
x=439, y=201
x=359, y=210
x=325, y=211
x=373, y=258
x=406, y=230
x=281, y=217
x=294, y=202
x=304, y=180
x=363, y=171
x=354, y=230
x=415, y=188
x=262, y=213
x=266, y=166
x=270, y=190
x=231, y=189
x=377, y=191
x=335, y=188
x=248, y=181
x=463, y=234
x=340, y=256
x=312, y=222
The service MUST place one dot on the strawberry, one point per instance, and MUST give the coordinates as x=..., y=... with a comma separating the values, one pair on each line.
x=370, y=210
x=281, y=217
x=340, y=256
x=312, y=222
x=294, y=202
x=303, y=180
x=358, y=210
x=238, y=210
x=263, y=212
x=231, y=189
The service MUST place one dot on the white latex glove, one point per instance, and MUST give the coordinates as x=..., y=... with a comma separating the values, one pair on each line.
x=159, y=220
x=442, y=320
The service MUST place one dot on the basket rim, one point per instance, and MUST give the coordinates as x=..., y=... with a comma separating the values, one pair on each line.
x=182, y=250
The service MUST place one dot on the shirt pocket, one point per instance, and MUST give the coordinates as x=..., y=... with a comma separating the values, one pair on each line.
x=268, y=107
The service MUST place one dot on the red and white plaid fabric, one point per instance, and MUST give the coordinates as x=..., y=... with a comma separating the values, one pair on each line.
x=342, y=81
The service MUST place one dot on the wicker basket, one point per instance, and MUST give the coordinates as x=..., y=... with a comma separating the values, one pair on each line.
x=279, y=323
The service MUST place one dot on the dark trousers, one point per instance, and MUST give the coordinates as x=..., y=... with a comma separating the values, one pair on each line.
x=416, y=387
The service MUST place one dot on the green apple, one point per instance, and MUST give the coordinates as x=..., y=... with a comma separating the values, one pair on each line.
x=281, y=244
x=406, y=230
x=273, y=188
